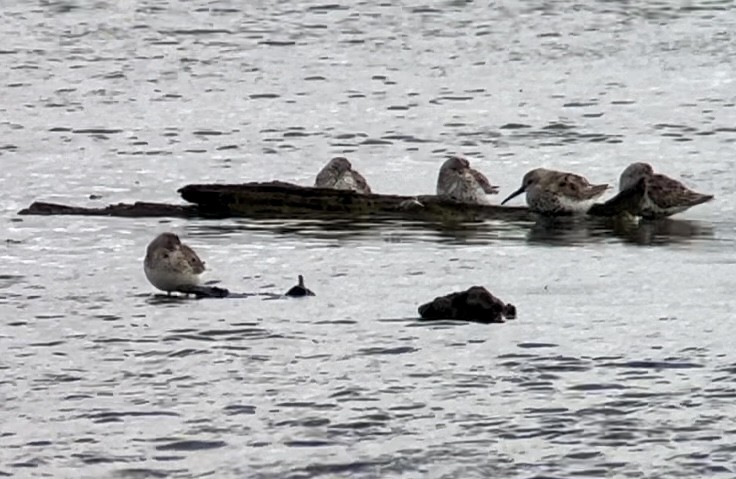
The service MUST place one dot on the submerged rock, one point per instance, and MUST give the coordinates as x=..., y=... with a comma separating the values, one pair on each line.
x=299, y=290
x=475, y=304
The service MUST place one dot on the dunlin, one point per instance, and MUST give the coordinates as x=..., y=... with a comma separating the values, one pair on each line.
x=170, y=265
x=459, y=182
x=557, y=192
x=340, y=175
x=664, y=196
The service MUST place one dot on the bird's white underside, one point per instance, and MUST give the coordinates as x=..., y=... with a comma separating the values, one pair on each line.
x=167, y=279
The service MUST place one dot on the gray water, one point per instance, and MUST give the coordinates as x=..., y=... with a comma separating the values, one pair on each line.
x=621, y=363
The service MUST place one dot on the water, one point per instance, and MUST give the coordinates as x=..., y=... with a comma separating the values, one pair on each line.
x=619, y=365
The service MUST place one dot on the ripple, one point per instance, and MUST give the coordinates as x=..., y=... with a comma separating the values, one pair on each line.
x=141, y=473
x=191, y=445
x=389, y=351
x=654, y=365
x=236, y=409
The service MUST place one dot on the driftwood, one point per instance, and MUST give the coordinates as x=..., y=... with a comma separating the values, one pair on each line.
x=206, y=291
x=209, y=291
x=278, y=199
x=284, y=200
x=135, y=210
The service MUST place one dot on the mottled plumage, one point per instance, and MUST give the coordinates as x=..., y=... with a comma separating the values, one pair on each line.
x=170, y=265
x=557, y=192
x=459, y=182
x=340, y=175
x=664, y=196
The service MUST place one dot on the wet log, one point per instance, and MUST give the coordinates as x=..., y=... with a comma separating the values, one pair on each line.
x=277, y=199
x=138, y=209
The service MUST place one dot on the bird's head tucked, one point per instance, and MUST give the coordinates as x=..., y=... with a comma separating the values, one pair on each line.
x=633, y=173
x=340, y=164
x=456, y=163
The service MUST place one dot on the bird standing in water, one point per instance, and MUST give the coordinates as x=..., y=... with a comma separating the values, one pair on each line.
x=663, y=195
x=171, y=265
x=551, y=192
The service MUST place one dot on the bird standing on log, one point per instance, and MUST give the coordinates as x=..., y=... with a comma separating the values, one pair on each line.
x=457, y=181
x=340, y=175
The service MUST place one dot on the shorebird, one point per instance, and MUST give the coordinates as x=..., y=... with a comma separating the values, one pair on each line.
x=170, y=265
x=557, y=192
x=459, y=182
x=664, y=196
x=340, y=175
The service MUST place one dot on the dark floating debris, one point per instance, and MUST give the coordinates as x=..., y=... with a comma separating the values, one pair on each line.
x=206, y=291
x=138, y=209
x=97, y=131
x=476, y=304
x=300, y=290
x=202, y=291
x=514, y=126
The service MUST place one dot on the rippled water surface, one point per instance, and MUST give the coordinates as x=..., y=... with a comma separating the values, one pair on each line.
x=621, y=363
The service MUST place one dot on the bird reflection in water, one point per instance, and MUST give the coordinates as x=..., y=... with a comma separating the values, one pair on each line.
x=566, y=231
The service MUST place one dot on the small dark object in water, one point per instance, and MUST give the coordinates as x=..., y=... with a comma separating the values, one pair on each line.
x=475, y=304
x=207, y=291
x=299, y=290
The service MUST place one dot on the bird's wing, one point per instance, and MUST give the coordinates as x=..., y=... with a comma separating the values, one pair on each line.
x=483, y=182
x=192, y=259
x=666, y=192
x=594, y=191
x=578, y=187
x=361, y=183
x=326, y=178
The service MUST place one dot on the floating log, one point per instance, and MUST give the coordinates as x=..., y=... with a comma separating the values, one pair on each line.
x=135, y=210
x=130, y=210
x=200, y=291
x=277, y=199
